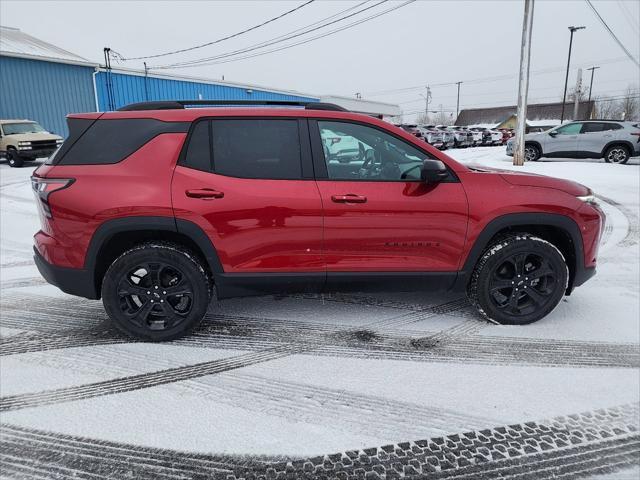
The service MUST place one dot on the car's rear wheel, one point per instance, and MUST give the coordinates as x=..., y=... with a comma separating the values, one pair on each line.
x=14, y=159
x=156, y=291
x=519, y=280
x=617, y=154
x=531, y=153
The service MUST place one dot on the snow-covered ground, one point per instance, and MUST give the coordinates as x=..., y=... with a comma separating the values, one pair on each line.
x=278, y=379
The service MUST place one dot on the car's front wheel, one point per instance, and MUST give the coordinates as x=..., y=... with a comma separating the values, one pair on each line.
x=14, y=159
x=518, y=280
x=531, y=153
x=156, y=291
x=617, y=154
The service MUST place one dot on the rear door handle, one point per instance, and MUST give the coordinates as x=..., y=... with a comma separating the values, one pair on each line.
x=204, y=193
x=348, y=198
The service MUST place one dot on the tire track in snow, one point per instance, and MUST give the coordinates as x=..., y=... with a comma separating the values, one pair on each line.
x=144, y=380
x=292, y=400
x=633, y=233
x=451, y=345
x=106, y=459
x=598, y=441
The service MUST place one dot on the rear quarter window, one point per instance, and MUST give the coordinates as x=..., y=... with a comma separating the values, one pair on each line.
x=111, y=141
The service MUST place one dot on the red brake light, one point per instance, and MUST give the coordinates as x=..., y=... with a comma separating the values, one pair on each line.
x=44, y=187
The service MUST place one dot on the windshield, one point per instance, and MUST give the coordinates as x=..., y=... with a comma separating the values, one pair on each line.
x=22, y=127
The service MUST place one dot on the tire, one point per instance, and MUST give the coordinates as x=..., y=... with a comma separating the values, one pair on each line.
x=518, y=280
x=617, y=154
x=169, y=298
x=531, y=153
x=14, y=159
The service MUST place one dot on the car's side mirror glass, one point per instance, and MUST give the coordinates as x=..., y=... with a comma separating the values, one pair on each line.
x=553, y=133
x=433, y=171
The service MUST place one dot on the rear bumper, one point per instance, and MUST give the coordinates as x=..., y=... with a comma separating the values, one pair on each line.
x=70, y=280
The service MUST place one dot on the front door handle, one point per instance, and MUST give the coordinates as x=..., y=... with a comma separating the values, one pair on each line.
x=348, y=198
x=204, y=193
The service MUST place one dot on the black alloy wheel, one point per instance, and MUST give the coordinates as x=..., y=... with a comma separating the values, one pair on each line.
x=156, y=291
x=518, y=280
x=522, y=283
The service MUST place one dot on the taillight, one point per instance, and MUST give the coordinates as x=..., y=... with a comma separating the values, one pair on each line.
x=44, y=187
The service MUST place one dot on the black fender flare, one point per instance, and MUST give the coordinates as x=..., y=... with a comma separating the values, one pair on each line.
x=108, y=229
x=626, y=143
x=513, y=221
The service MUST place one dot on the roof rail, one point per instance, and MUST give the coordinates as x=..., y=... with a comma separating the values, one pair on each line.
x=178, y=104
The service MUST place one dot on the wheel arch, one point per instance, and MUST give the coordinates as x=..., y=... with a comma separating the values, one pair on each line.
x=114, y=237
x=627, y=144
x=536, y=144
x=560, y=230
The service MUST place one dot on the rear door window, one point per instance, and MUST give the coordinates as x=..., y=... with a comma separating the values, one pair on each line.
x=257, y=148
x=591, y=127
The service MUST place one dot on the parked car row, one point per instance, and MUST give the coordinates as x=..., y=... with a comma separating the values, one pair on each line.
x=454, y=136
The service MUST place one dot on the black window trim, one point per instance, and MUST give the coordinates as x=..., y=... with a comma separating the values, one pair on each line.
x=306, y=164
x=320, y=165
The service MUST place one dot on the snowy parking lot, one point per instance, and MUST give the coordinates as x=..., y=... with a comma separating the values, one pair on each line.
x=329, y=386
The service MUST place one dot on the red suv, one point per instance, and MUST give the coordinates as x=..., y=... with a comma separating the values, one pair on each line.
x=155, y=207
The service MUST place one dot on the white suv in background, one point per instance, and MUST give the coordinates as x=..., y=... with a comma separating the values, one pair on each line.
x=615, y=141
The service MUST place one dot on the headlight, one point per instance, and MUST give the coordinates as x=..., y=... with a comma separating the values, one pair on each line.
x=59, y=142
x=591, y=198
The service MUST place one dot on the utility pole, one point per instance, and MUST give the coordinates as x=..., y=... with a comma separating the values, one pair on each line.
x=458, y=102
x=427, y=99
x=146, y=78
x=593, y=69
x=572, y=29
x=578, y=91
x=523, y=82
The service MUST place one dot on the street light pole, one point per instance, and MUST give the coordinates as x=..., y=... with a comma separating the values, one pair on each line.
x=593, y=69
x=566, y=78
x=523, y=83
x=458, y=102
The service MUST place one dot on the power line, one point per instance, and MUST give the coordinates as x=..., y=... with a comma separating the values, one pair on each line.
x=472, y=105
x=255, y=27
x=280, y=38
x=628, y=16
x=490, y=79
x=345, y=27
x=633, y=59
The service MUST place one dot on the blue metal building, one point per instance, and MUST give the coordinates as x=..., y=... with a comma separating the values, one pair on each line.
x=42, y=82
x=131, y=86
x=39, y=81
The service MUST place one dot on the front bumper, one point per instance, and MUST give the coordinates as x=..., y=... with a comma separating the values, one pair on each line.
x=33, y=154
x=70, y=280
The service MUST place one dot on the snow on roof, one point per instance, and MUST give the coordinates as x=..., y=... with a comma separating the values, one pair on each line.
x=483, y=125
x=16, y=43
x=550, y=122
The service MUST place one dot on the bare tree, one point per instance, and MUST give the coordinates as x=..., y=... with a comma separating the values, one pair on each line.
x=423, y=119
x=626, y=107
x=630, y=104
x=571, y=95
x=607, y=108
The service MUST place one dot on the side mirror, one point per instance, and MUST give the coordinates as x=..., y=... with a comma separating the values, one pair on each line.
x=433, y=171
x=553, y=133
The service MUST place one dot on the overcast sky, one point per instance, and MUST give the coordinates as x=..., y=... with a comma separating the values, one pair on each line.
x=426, y=42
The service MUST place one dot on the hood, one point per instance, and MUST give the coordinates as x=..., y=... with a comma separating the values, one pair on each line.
x=32, y=137
x=526, y=179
